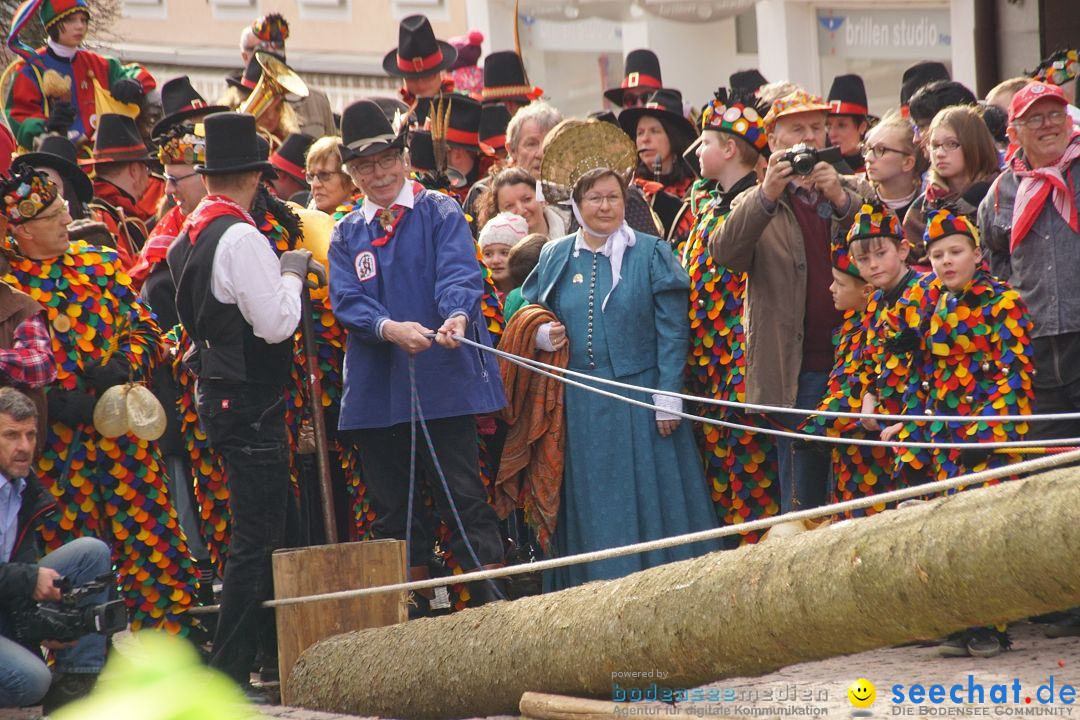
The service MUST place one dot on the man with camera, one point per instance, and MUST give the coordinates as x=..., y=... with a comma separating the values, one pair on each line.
x=24, y=581
x=779, y=233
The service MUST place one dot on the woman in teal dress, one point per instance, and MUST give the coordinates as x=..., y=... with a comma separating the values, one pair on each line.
x=631, y=474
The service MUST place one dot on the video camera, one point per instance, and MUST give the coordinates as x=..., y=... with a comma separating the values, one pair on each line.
x=66, y=620
x=803, y=158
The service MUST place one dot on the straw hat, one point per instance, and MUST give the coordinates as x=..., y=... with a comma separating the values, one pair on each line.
x=580, y=149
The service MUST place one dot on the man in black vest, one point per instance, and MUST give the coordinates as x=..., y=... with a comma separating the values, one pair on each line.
x=241, y=306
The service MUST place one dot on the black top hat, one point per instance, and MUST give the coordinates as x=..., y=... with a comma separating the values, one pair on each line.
x=180, y=101
x=504, y=79
x=365, y=130
x=462, y=123
x=232, y=145
x=58, y=153
x=494, y=117
x=418, y=52
x=290, y=158
x=847, y=96
x=642, y=70
x=666, y=106
x=747, y=80
x=118, y=141
x=919, y=75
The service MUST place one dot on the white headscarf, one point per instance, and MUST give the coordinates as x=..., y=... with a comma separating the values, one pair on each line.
x=613, y=249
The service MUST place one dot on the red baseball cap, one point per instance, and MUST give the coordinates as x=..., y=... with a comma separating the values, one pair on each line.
x=1031, y=93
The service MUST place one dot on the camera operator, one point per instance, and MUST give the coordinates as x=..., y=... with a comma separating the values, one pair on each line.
x=24, y=677
x=779, y=233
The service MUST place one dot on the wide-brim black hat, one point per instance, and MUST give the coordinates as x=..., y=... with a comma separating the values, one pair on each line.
x=919, y=75
x=365, y=130
x=504, y=79
x=494, y=119
x=291, y=157
x=847, y=96
x=747, y=80
x=58, y=153
x=666, y=106
x=460, y=114
x=641, y=71
x=232, y=145
x=180, y=101
x=246, y=81
x=418, y=52
x=118, y=141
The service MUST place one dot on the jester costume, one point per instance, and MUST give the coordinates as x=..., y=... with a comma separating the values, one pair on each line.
x=111, y=488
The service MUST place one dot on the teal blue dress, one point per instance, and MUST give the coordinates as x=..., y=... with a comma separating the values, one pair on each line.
x=623, y=483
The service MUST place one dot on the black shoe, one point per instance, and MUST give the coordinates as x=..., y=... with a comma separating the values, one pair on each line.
x=954, y=645
x=67, y=688
x=985, y=642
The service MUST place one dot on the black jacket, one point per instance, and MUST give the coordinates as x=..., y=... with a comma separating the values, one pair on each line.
x=18, y=575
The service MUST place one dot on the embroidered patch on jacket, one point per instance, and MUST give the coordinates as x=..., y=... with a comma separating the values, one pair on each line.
x=365, y=265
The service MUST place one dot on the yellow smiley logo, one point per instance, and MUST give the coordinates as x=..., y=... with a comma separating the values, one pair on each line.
x=862, y=693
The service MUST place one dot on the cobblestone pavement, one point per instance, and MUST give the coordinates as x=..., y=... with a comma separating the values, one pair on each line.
x=1032, y=661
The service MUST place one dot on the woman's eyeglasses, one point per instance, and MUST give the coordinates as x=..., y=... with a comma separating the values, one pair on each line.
x=323, y=176
x=947, y=146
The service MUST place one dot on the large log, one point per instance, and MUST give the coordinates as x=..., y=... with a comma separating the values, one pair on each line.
x=981, y=556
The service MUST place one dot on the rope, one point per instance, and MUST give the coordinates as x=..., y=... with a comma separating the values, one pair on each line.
x=524, y=362
x=1026, y=466
x=534, y=364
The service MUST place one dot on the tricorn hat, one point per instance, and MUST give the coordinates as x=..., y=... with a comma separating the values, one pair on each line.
x=290, y=157
x=418, y=52
x=642, y=70
x=232, y=145
x=180, y=101
x=118, y=141
x=58, y=153
x=504, y=79
x=453, y=116
x=365, y=130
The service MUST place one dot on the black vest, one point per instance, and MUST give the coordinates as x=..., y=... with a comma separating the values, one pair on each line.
x=225, y=346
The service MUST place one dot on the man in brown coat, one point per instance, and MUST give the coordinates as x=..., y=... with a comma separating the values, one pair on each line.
x=778, y=233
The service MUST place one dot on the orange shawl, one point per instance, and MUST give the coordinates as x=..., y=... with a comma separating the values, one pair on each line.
x=531, y=470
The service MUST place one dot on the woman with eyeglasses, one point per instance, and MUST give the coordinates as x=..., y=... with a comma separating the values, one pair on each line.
x=963, y=164
x=894, y=162
x=621, y=300
x=331, y=187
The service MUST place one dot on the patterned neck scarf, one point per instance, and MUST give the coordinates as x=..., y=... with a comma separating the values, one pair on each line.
x=1036, y=185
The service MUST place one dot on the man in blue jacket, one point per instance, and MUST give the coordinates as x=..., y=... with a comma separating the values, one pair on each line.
x=402, y=266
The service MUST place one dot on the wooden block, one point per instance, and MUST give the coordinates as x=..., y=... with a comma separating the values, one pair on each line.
x=330, y=568
x=543, y=706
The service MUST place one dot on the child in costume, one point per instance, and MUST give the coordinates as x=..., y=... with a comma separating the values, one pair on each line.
x=54, y=86
x=740, y=465
x=858, y=470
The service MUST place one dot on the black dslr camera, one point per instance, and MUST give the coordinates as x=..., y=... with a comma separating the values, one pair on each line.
x=66, y=620
x=803, y=158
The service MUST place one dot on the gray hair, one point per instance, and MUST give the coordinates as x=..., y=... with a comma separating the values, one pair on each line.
x=16, y=405
x=545, y=115
x=246, y=36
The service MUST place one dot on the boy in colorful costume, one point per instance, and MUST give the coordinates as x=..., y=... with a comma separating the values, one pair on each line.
x=740, y=465
x=112, y=488
x=54, y=85
x=858, y=470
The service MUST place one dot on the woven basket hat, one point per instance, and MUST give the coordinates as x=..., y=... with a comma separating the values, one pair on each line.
x=580, y=149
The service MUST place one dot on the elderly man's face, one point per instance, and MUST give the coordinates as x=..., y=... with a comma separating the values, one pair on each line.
x=804, y=127
x=529, y=151
x=1043, y=131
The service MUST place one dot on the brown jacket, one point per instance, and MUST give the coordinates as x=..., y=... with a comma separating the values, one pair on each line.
x=769, y=249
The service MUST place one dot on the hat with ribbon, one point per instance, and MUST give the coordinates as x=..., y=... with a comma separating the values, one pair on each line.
x=289, y=158
x=365, y=130
x=246, y=83
x=118, y=141
x=641, y=70
x=182, y=144
x=58, y=153
x=943, y=223
x=180, y=101
x=494, y=118
x=232, y=145
x=418, y=52
x=793, y=103
x=736, y=113
x=874, y=220
x=272, y=29
x=453, y=117
x=847, y=96
x=27, y=192
x=504, y=79
x=666, y=106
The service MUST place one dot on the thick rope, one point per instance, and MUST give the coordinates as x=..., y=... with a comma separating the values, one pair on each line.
x=1027, y=466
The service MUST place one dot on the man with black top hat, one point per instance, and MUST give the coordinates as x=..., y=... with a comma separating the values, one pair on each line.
x=289, y=160
x=240, y=305
x=640, y=78
x=419, y=60
x=505, y=82
x=404, y=268
x=848, y=119
x=122, y=177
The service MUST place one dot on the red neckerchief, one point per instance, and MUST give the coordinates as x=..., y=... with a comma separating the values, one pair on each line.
x=157, y=245
x=1036, y=186
x=210, y=208
x=389, y=220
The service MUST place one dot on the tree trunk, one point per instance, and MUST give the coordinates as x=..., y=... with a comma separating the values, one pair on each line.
x=979, y=557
